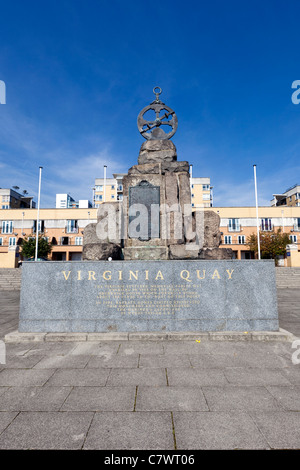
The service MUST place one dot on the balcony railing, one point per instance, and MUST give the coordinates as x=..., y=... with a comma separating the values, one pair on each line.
x=9, y=231
x=234, y=228
x=71, y=229
x=266, y=227
x=296, y=228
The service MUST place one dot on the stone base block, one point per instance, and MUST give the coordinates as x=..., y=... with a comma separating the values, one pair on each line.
x=281, y=335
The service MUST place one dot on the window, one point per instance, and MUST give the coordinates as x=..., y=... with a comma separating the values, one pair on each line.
x=266, y=224
x=112, y=196
x=297, y=224
x=293, y=238
x=227, y=240
x=193, y=195
x=78, y=240
x=7, y=226
x=192, y=186
x=72, y=226
x=46, y=239
x=98, y=197
x=112, y=186
x=1, y=241
x=120, y=187
x=206, y=197
x=206, y=187
x=12, y=241
x=5, y=198
x=120, y=197
x=241, y=239
x=41, y=226
x=99, y=188
x=6, y=206
x=234, y=225
x=193, y=205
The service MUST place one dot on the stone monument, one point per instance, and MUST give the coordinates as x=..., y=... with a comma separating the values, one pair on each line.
x=156, y=212
x=151, y=264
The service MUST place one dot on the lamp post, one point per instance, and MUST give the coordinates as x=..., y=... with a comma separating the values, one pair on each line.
x=191, y=178
x=256, y=204
x=38, y=215
x=104, y=193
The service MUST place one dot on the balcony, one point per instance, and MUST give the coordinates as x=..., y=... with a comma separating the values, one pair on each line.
x=7, y=230
x=71, y=229
x=296, y=228
x=234, y=228
x=266, y=228
x=120, y=188
x=67, y=241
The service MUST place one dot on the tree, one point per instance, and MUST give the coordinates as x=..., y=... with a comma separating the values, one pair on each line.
x=272, y=244
x=28, y=247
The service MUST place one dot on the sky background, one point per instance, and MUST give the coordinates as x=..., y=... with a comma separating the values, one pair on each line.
x=77, y=74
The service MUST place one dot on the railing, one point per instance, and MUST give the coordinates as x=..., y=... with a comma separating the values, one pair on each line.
x=296, y=228
x=7, y=232
x=234, y=228
x=266, y=227
x=71, y=229
x=68, y=242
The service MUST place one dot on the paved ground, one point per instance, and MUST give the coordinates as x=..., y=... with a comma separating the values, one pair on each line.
x=150, y=395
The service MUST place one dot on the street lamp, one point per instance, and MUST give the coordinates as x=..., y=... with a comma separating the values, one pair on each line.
x=256, y=204
x=38, y=215
x=104, y=193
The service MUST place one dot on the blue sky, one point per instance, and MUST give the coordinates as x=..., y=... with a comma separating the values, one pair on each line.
x=77, y=73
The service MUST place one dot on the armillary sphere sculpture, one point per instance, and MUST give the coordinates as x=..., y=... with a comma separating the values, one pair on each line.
x=165, y=116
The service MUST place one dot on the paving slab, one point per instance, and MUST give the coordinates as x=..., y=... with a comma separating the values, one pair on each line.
x=5, y=419
x=100, y=399
x=77, y=377
x=163, y=361
x=61, y=362
x=237, y=397
x=34, y=398
x=47, y=430
x=138, y=430
x=217, y=430
x=115, y=361
x=141, y=347
x=287, y=396
x=256, y=376
x=100, y=348
x=281, y=430
x=21, y=362
x=170, y=399
x=195, y=376
x=292, y=374
x=153, y=377
x=24, y=377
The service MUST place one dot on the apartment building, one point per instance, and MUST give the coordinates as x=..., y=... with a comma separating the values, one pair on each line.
x=290, y=198
x=65, y=201
x=201, y=192
x=108, y=189
x=237, y=223
x=111, y=189
x=64, y=229
x=11, y=199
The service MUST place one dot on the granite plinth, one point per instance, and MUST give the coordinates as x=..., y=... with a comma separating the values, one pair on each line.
x=139, y=296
